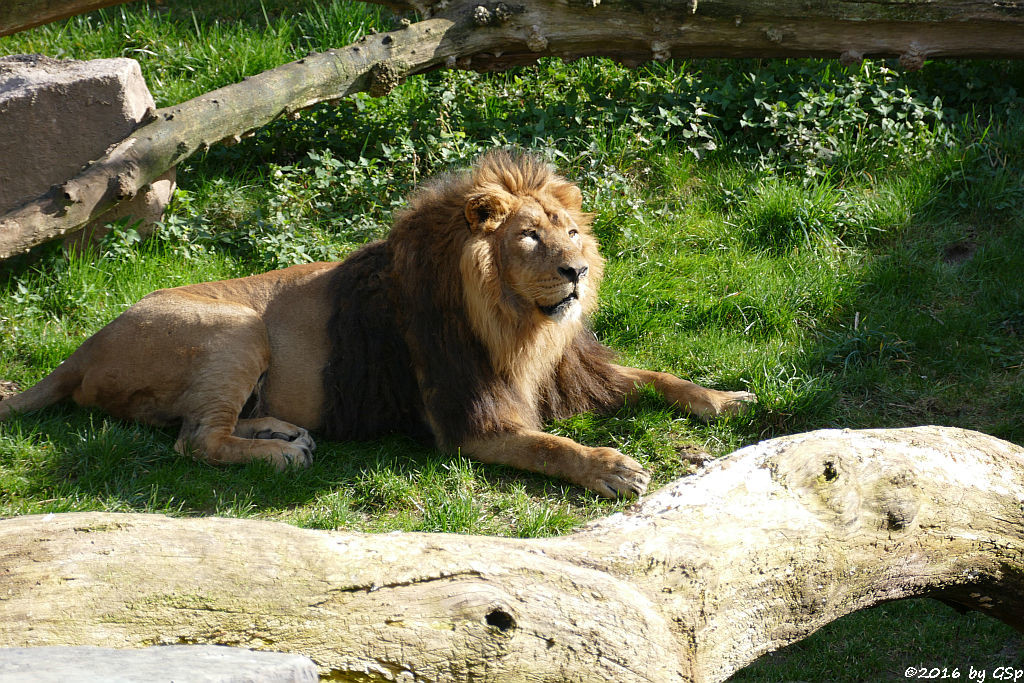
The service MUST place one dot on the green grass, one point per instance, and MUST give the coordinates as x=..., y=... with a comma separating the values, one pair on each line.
x=846, y=242
x=188, y=48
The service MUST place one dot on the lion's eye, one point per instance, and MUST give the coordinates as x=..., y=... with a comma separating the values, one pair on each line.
x=530, y=234
x=574, y=233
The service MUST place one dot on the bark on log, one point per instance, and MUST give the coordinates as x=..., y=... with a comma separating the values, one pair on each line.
x=694, y=582
x=21, y=15
x=490, y=36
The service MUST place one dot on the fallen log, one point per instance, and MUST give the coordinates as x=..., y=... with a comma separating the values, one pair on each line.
x=493, y=36
x=21, y=15
x=697, y=580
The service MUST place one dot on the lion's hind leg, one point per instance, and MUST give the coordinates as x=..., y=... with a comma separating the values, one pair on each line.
x=212, y=355
x=211, y=430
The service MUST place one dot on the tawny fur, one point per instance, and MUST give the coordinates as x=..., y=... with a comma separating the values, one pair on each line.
x=466, y=325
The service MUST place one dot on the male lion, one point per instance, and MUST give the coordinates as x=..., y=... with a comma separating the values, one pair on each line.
x=466, y=324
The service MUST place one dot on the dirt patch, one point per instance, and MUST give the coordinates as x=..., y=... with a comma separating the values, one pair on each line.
x=694, y=455
x=961, y=252
x=8, y=388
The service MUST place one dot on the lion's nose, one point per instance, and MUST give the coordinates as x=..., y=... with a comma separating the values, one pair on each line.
x=573, y=273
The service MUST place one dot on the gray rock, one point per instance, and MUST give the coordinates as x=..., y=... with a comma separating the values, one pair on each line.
x=178, y=663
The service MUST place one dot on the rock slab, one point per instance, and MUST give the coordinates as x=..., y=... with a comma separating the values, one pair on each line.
x=58, y=115
x=178, y=663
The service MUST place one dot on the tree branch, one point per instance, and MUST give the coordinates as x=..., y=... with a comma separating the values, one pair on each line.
x=697, y=580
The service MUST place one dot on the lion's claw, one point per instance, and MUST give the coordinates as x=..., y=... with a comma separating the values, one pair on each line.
x=741, y=397
x=297, y=446
x=301, y=436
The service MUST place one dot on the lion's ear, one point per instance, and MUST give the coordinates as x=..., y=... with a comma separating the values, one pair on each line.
x=570, y=196
x=487, y=210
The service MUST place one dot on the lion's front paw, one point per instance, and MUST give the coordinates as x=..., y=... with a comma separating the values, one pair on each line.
x=292, y=453
x=614, y=475
x=734, y=402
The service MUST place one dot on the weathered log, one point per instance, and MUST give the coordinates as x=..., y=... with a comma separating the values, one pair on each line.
x=700, y=578
x=489, y=36
x=20, y=15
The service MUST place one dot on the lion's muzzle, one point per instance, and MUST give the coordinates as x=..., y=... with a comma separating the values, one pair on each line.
x=568, y=307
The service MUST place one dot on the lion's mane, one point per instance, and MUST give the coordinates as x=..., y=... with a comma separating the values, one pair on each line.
x=425, y=343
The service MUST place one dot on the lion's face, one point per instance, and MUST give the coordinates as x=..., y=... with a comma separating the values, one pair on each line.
x=543, y=260
x=541, y=250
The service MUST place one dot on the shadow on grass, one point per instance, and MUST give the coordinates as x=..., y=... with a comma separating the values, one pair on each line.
x=78, y=459
x=896, y=642
x=929, y=329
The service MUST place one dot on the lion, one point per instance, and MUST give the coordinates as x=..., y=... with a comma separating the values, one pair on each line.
x=466, y=325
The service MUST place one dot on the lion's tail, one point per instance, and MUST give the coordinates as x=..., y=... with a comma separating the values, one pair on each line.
x=56, y=386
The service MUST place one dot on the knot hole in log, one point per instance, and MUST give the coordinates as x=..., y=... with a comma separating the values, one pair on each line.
x=501, y=620
x=495, y=15
x=826, y=481
x=831, y=473
x=850, y=489
x=385, y=77
x=897, y=502
x=122, y=187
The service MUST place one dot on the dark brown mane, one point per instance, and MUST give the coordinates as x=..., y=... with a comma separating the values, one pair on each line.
x=408, y=354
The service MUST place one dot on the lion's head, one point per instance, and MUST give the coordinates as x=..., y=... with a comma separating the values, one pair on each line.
x=530, y=264
x=508, y=243
x=539, y=246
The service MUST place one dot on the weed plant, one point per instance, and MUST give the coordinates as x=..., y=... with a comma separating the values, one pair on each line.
x=845, y=241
